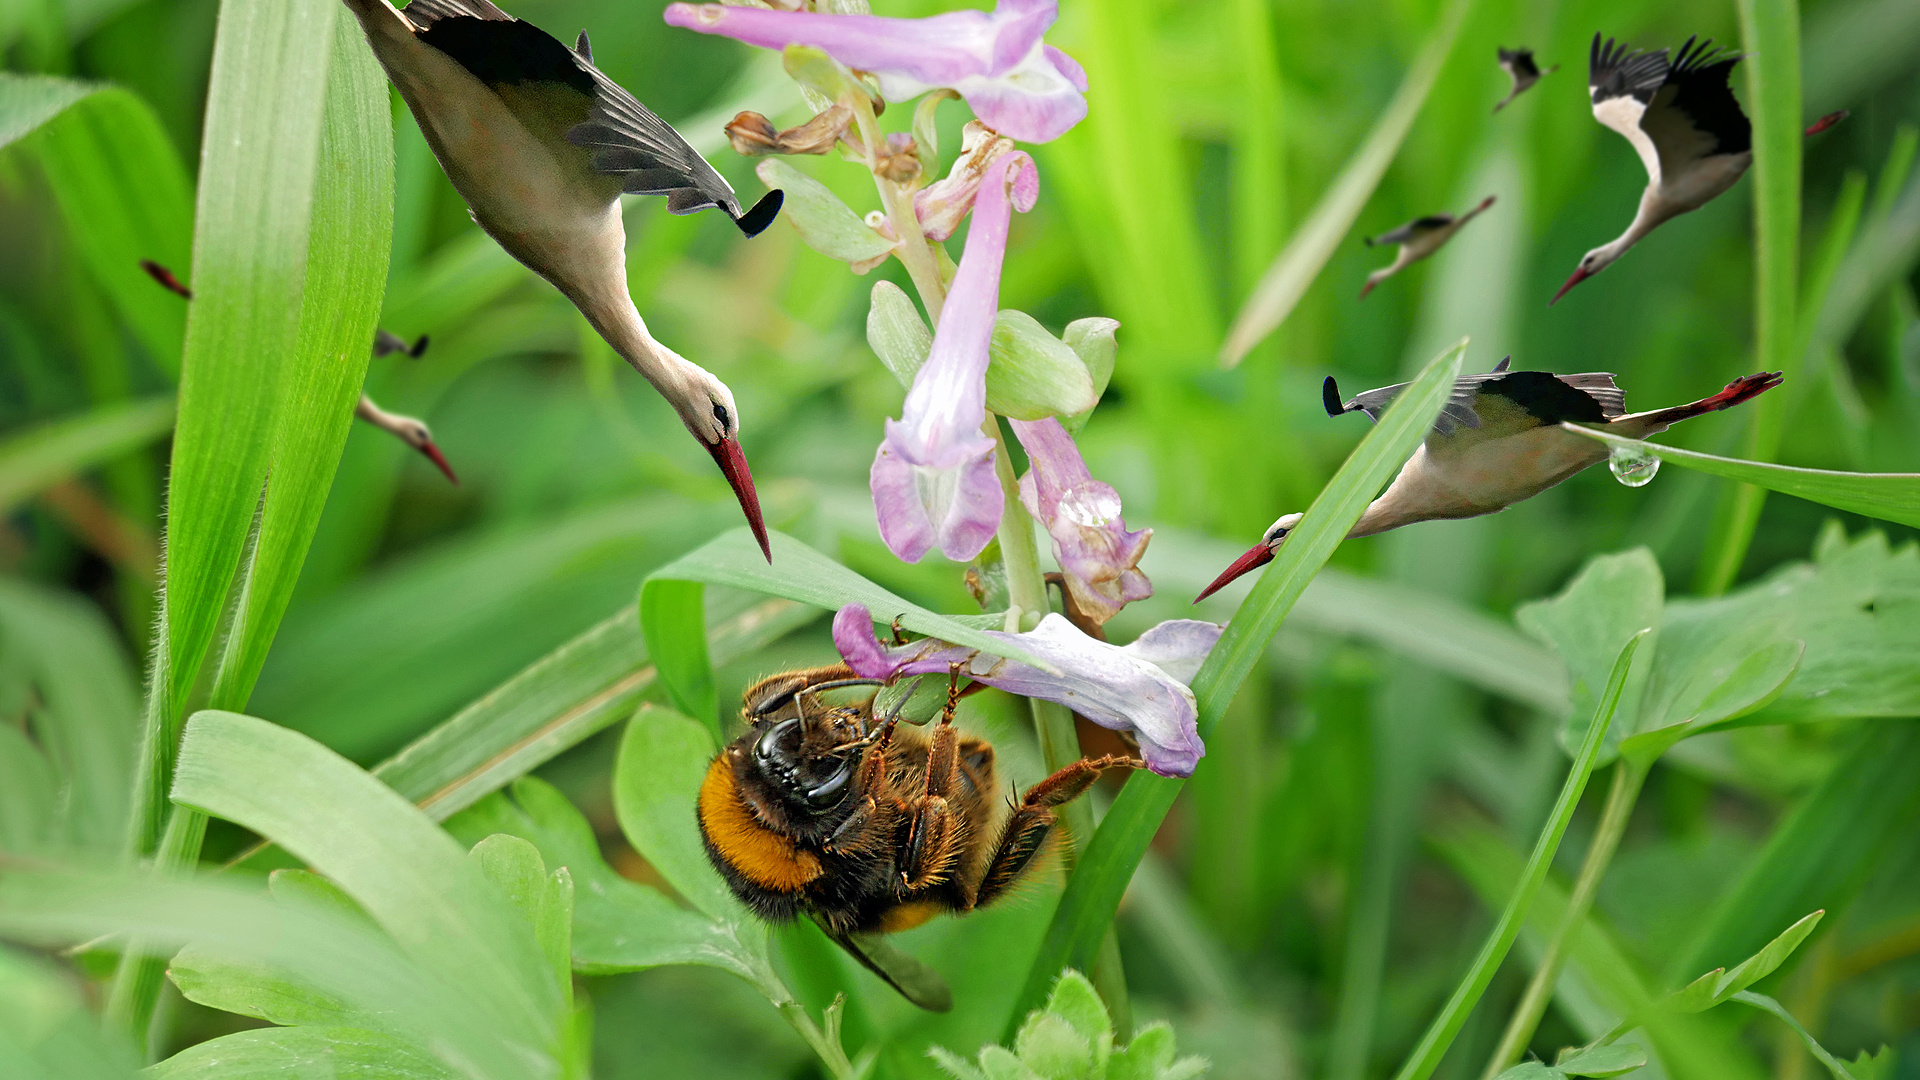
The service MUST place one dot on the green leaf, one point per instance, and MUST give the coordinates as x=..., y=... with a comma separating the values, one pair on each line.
x=124, y=195
x=1530, y=1070
x=514, y=864
x=27, y=101
x=1314, y=242
x=1086, y=910
x=1818, y=857
x=1769, y=1005
x=1031, y=374
x=828, y=225
x=46, y=1029
x=1075, y=1002
x=618, y=925
x=1093, y=341
x=409, y=875
x=1610, y=1060
x=656, y=782
x=798, y=572
x=581, y=688
x=345, y=277
x=308, y=1053
x=1887, y=496
x=86, y=713
x=1770, y=37
x=674, y=619
x=1763, y=963
x=39, y=457
x=1612, y=600
x=1440, y=1034
x=289, y=258
x=256, y=987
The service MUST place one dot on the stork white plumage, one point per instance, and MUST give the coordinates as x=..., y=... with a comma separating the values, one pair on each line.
x=1682, y=120
x=541, y=145
x=1418, y=239
x=1519, y=66
x=1497, y=441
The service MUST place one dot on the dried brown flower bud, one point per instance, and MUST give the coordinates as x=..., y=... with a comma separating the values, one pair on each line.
x=753, y=135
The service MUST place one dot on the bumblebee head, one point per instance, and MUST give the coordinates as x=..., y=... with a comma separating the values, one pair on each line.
x=810, y=759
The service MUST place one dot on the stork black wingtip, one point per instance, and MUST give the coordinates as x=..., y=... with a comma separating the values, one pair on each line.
x=419, y=347
x=1330, y=397
x=756, y=220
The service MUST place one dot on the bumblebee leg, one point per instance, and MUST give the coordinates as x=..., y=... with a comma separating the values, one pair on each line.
x=873, y=773
x=1027, y=827
x=933, y=832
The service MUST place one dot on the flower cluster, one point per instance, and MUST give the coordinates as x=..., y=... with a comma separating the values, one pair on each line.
x=936, y=479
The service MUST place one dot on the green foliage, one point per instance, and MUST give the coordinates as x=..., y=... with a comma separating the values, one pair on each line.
x=1613, y=1060
x=1071, y=1037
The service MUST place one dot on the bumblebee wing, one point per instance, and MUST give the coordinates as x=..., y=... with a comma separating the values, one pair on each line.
x=916, y=981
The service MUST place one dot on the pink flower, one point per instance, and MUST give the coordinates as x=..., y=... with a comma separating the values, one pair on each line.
x=933, y=479
x=1016, y=83
x=1097, y=554
x=1139, y=688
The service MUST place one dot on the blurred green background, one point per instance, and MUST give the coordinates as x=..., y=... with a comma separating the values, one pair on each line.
x=1307, y=906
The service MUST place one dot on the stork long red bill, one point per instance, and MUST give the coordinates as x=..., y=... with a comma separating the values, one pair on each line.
x=1259, y=556
x=1580, y=274
x=727, y=454
x=434, y=455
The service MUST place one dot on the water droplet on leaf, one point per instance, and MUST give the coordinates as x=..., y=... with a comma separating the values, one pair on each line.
x=1633, y=466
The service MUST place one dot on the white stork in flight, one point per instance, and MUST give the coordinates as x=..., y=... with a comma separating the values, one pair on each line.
x=1418, y=239
x=1519, y=65
x=1685, y=124
x=541, y=145
x=1497, y=441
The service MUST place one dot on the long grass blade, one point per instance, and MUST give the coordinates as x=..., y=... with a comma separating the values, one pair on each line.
x=1770, y=34
x=33, y=460
x=1300, y=262
x=1887, y=496
x=1086, y=909
x=1439, y=1035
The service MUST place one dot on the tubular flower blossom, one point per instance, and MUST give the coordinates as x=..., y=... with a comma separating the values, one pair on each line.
x=1139, y=688
x=1097, y=554
x=933, y=480
x=1014, y=82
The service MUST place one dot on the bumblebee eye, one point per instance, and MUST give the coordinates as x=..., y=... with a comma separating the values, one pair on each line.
x=828, y=792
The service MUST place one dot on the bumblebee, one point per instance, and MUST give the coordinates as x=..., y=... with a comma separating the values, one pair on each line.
x=867, y=826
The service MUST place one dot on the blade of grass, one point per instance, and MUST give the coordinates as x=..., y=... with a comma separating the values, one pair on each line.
x=33, y=460
x=124, y=195
x=1313, y=243
x=1439, y=1035
x=264, y=117
x=28, y=101
x=1887, y=496
x=1087, y=907
x=1770, y=37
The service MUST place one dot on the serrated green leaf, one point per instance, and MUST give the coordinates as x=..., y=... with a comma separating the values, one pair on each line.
x=1145, y=1058
x=1075, y=1000
x=828, y=225
x=1050, y=1047
x=953, y=1064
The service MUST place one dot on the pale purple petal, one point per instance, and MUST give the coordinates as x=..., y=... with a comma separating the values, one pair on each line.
x=1125, y=688
x=933, y=478
x=1096, y=553
x=1015, y=83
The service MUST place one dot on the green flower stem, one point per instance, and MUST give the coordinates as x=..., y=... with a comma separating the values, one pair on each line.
x=1628, y=776
x=1052, y=723
x=824, y=1041
x=913, y=249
